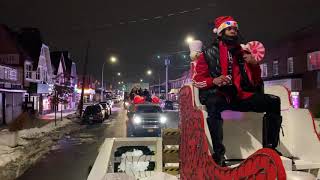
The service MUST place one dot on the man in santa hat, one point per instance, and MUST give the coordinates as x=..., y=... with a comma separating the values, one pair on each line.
x=229, y=78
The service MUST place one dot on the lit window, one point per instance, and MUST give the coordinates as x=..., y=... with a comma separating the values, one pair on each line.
x=290, y=65
x=2, y=72
x=28, y=70
x=264, y=70
x=313, y=60
x=13, y=74
x=38, y=74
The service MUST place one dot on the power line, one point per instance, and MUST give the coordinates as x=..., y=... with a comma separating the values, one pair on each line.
x=138, y=20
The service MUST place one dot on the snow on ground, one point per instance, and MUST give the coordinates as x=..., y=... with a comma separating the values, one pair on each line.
x=9, y=154
x=37, y=132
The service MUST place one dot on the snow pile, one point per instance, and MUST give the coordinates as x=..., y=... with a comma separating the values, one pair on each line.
x=8, y=154
x=36, y=132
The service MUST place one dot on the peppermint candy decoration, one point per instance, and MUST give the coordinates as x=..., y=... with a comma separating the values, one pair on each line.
x=257, y=49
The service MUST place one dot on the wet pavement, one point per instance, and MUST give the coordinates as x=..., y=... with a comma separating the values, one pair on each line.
x=72, y=156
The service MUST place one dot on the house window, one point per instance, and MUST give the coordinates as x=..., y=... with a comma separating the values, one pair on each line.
x=290, y=65
x=28, y=72
x=45, y=76
x=275, y=68
x=13, y=74
x=313, y=60
x=8, y=73
x=2, y=72
x=38, y=74
x=264, y=70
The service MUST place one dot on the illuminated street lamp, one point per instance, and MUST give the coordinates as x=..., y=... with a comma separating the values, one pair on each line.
x=119, y=82
x=141, y=80
x=189, y=39
x=113, y=59
x=149, y=72
x=119, y=73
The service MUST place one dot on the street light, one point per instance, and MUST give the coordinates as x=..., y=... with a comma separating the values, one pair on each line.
x=112, y=60
x=149, y=72
x=119, y=82
x=141, y=80
x=189, y=39
x=119, y=73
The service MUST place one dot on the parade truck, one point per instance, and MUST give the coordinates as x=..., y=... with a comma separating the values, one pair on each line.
x=186, y=153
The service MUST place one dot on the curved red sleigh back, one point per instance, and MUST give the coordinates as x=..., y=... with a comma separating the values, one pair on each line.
x=196, y=162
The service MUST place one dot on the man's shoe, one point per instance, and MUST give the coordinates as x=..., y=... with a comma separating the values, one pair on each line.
x=220, y=160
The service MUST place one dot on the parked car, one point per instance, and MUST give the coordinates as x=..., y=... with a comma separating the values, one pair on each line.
x=168, y=105
x=107, y=109
x=93, y=113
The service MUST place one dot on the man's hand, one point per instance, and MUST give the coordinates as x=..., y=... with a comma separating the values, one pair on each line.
x=221, y=80
x=249, y=59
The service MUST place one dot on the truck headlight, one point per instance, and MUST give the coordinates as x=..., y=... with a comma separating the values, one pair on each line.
x=137, y=119
x=163, y=119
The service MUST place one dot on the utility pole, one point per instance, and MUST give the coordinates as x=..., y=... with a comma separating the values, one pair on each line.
x=83, y=78
x=159, y=86
x=102, y=86
x=167, y=62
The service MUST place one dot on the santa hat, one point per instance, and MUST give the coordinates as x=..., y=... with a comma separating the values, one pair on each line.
x=195, y=46
x=223, y=22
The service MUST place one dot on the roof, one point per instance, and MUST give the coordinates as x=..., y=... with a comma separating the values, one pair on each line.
x=9, y=44
x=55, y=60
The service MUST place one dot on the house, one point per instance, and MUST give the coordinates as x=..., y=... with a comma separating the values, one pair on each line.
x=90, y=84
x=37, y=69
x=65, y=74
x=11, y=76
x=295, y=63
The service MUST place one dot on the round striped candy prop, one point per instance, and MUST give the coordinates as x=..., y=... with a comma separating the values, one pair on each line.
x=257, y=49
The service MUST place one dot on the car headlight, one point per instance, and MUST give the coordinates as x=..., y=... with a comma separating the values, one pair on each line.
x=137, y=119
x=163, y=119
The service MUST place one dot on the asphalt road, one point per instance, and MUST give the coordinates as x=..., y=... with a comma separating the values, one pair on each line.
x=71, y=157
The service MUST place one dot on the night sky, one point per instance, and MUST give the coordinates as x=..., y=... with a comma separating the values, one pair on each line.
x=137, y=31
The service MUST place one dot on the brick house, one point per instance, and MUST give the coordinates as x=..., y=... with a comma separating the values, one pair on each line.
x=295, y=63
